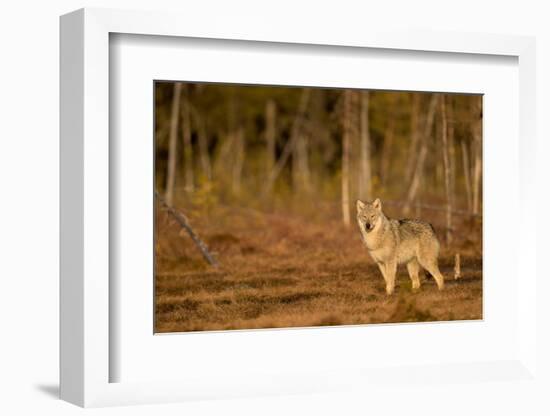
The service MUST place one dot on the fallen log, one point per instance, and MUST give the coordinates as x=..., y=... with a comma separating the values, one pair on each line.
x=184, y=223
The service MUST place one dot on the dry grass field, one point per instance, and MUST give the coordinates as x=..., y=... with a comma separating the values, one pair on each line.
x=298, y=271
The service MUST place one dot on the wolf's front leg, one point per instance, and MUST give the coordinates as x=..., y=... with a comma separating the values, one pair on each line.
x=382, y=267
x=391, y=269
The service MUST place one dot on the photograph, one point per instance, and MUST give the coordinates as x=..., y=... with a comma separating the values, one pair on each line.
x=305, y=206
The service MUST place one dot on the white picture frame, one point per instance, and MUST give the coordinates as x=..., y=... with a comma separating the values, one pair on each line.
x=86, y=356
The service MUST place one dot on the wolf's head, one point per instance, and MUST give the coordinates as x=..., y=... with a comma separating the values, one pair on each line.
x=369, y=215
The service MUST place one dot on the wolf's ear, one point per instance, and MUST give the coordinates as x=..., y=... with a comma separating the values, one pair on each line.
x=360, y=205
x=377, y=204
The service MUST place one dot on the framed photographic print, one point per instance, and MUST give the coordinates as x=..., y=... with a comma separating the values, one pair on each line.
x=280, y=213
x=282, y=184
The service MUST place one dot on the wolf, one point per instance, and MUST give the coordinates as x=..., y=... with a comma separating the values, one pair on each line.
x=393, y=242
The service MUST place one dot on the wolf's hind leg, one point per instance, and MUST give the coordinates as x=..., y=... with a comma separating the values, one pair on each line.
x=431, y=266
x=413, y=268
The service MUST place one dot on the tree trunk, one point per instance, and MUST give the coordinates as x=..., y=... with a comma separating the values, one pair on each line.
x=173, y=145
x=452, y=151
x=238, y=152
x=365, y=182
x=387, y=148
x=447, y=171
x=202, y=135
x=346, y=140
x=187, y=145
x=415, y=135
x=466, y=168
x=270, y=134
x=289, y=146
x=477, y=160
x=422, y=153
x=223, y=161
x=300, y=164
x=203, y=147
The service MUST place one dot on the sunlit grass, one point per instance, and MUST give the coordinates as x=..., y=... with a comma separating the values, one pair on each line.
x=283, y=270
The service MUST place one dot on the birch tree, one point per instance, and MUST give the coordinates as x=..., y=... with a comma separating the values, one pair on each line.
x=415, y=135
x=346, y=144
x=238, y=153
x=466, y=170
x=187, y=145
x=447, y=171
x=289, y=146
x=300, y=164
x=202, y=136
x=477, y=126
x=173, y=145
x=270, y=134
x=203, y=148
x=389, y=135
x=452, y=150
x=365, y=182
x=422, y=153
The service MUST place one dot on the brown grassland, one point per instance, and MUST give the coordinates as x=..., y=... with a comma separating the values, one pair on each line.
x=288, y=270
